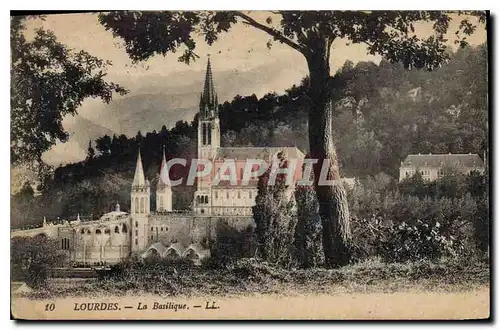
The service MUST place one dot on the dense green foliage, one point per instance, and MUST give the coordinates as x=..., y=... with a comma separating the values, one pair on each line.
x=410, y=221
x=275, y=216
x=32, y=258
x=307, y=240
x=48, y=82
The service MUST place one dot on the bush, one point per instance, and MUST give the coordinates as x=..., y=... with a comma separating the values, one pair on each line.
x=33, y=257
x=457, y=202
x=230, y=244
x=308, y=238
x=421, y=241
x=275, y=216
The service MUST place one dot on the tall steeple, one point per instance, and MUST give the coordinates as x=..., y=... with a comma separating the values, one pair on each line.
x=164, y=175
x=163, y=189
x=139, y=179
x=208, y=98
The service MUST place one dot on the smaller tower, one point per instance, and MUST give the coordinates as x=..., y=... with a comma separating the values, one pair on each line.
x=139, y=208
x=163, y=188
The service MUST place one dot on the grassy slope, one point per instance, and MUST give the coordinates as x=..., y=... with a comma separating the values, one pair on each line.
x=249, y=277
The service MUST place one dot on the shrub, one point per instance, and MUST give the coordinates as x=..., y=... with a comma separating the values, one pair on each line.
x=308, y=239
x=275, y=218
x=33, y=257
x=421, y=241
x=229, y=245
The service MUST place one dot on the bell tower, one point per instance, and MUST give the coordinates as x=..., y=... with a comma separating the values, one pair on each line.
x=208, y=140
x=140, y=207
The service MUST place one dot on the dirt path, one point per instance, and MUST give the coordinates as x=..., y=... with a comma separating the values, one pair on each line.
x=401, y=305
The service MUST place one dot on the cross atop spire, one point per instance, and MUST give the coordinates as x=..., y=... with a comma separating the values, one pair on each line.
x=208, y=99
x=139, y=179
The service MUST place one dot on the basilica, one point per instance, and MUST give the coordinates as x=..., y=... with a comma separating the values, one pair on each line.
x=164, y=232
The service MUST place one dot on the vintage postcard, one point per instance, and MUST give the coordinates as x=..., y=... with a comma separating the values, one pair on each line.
x=249, y=165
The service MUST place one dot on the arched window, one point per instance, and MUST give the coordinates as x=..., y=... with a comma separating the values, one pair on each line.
x=161, y=229
x=98, y=232
x=239, y=195
x=136, y=209
x=136, y=241
x=136, y=224
x=82, y=231
x=250, y=194
x=107, y=231
x=124, y=228
x=117, y=230
x=88, y=232
x=152, y=228
x=142, y=204
x=206, y=199
x=198, y=201
x=209, y=133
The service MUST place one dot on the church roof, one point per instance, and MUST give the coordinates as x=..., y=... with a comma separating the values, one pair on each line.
x=264, y=153
x=113, y=215
x=160, y=248
x=198, y=249
x=224, y=184
x=178, y=247
x=443, y=160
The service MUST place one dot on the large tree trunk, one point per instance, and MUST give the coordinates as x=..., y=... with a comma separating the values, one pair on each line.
x=333, y=207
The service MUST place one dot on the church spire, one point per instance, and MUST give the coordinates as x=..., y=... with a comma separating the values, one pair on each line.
x=139, y=179
x=164, y=176
x=208, y=97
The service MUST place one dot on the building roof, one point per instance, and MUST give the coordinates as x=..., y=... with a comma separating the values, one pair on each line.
x=160, y=248
x=264, y=153
x=177, y=247
x=443, y=160
x=226, y=184
x=198, y=249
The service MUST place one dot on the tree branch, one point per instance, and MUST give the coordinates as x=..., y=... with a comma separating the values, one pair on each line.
x=272, y=32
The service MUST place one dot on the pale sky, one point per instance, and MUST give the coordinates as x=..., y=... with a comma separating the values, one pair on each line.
x=240, y=55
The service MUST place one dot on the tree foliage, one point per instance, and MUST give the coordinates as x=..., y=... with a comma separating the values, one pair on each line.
x=32, y=258
x=307, y=240
x=48, y=82
x=275, y=216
